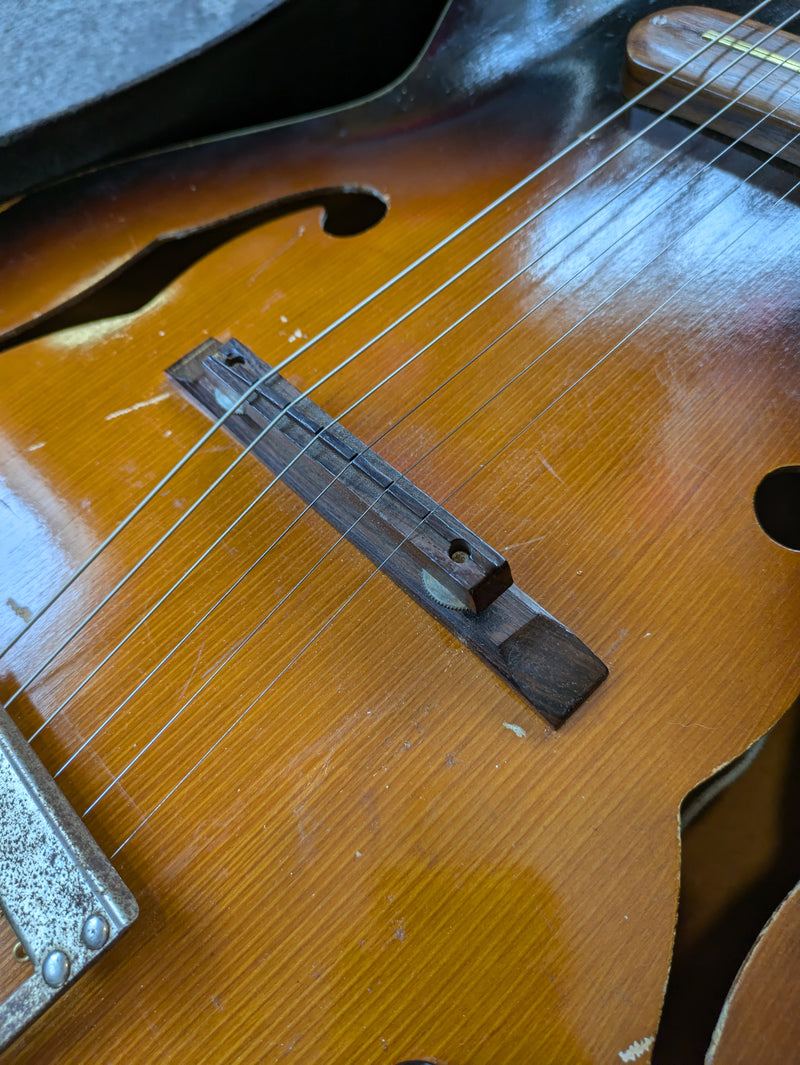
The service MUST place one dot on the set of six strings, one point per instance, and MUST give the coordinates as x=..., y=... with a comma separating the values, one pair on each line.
x=398, y=369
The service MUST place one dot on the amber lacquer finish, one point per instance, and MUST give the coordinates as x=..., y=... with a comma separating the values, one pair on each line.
x=351, y=842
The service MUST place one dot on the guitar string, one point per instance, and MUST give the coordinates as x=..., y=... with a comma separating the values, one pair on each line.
x=756, y=124
x=145, y=617
x=186, y=515
x=224, y=534
x=355, y=309
x=721, y=252
x=605, y=251
x=662, y=251
x=218, y=669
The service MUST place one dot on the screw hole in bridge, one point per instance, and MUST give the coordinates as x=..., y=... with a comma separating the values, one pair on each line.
x=460, y=551
x=777, y=506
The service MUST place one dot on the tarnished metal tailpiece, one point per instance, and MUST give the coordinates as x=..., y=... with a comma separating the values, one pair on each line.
x=58, y=891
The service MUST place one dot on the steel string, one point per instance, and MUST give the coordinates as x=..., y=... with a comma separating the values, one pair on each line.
x=378, y=569
x=349, y=314
x=85, y=743
x=582, y=377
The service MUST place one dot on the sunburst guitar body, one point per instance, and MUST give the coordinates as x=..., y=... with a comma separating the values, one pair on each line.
x=351, y=840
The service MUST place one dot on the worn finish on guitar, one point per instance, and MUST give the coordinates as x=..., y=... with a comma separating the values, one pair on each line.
x=360, y=845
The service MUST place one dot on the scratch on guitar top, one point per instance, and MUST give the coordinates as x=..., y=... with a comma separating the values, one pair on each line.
x=696, y=467
x=35, y=447
x=622, y=634
x=522, y=543
x=272, y=259
x=194, y=668
x=637, y=1049
x=137, y=406
x=548, y=467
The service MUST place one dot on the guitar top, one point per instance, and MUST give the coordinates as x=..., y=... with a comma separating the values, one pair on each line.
x=568, y=320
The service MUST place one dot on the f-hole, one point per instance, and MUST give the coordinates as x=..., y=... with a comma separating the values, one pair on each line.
x=346, y=212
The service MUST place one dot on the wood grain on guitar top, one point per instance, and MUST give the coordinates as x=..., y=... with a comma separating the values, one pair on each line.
x=360, y=846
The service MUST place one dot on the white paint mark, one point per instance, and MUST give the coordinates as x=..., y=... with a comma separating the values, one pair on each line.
x=358, y=854
x=518, y=730
x=637, y=1048
x=137, y=406
x=284, y=319
x=35, y=447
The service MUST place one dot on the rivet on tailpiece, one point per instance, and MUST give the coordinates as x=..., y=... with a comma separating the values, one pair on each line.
x=55, y=969
x=95, y=931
